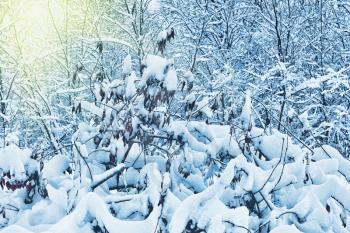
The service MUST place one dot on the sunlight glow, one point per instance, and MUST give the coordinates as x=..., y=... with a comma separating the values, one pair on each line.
x=36, y=24
x=36, y=17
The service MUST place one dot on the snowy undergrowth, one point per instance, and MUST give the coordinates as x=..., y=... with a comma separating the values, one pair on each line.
x=144, y=166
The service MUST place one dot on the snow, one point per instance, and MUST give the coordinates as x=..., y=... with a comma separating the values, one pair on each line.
x=213, y=203
x=208, y=210
x=203, y=107
x=161, y=69
x=246, y=115
x=170, y=81
x=162, y=35
x=15, y=228
x=127, y=65
x=286, y=229
x=312, y=83
x=106, y=175
x=90, y=107
x=92, y=206
x=154, y=6
x=12, y=138
x=17, y=162
x=154, y=67
x=131, y=176
x=56, y=166
x=130, y=89
x=220, y=143
x=148, y=156
x=116, y=83
x=188, y=75
x=291, y=112
x=190, y=98
x=57, y=196
x=326, y=151
x=206, y=174
x=303, y=118
x=278, y=145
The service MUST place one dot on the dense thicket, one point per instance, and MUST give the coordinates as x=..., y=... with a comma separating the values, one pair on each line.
x=181, y=116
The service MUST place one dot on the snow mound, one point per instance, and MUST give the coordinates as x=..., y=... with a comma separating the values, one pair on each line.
x=17, y=162
x=161, y=69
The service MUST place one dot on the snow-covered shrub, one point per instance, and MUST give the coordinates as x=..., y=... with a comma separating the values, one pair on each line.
x=198, y=143
x=20, y=181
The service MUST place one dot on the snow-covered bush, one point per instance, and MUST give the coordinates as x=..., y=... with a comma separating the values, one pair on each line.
x=235, y=133
x=149, y=162
x=21, y=183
